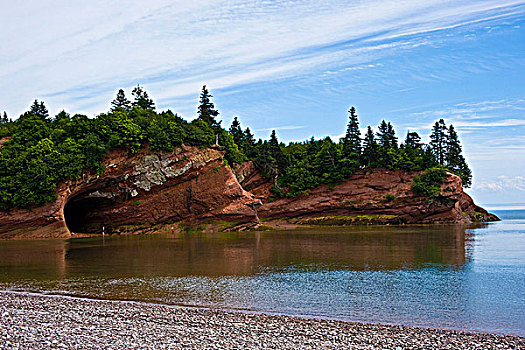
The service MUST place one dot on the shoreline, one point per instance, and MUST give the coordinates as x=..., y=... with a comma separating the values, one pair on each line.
x=273, y=225
x=32, y=320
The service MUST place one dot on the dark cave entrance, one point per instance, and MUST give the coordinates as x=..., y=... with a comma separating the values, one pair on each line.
x=86, y=214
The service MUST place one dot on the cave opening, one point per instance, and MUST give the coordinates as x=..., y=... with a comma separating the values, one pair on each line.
x=86, y=214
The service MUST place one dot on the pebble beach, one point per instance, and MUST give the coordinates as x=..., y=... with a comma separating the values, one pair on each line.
x=33, y=321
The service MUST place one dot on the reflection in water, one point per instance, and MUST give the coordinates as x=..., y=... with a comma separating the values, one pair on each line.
x=237, y=253
x=427, y=276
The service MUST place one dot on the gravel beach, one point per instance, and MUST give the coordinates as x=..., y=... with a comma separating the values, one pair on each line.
x=30, y=321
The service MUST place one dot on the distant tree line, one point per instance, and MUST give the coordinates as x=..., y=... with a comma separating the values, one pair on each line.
x=41, y=150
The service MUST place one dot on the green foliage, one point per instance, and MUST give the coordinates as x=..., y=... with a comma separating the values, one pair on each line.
x=37, y=152
x=142, y=99
x=206, y=110
x=429, y=183
x=352, y=139
x=120, y=102
x=389, y=197
x=438, y=141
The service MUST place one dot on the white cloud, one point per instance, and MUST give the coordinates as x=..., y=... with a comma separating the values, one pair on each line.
x=502, y=183
x=77, y=54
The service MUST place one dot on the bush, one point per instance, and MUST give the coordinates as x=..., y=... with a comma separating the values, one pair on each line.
x=429, y=183
x=389, y=197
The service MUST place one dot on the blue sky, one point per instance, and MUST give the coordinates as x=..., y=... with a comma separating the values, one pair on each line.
x=296, y=66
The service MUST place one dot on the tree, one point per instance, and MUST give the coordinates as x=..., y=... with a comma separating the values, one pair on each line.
x=4, y=119
x=248, y=143
x=382, y=135
x=326, y=162
x=454, y=158
x=232, y=153
x=277, y=153
x=121, y=101
x=94, y=149
x=352, y=139
x=236, y=131
x=413, y=140
x=39, y=109
x=438, y=141
x=370, y=148
x=388, y=142
x=206, y=110
x=142, y=99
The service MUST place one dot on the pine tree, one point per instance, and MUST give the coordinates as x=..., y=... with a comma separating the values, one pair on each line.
x=120, y=102
x=413, y=141
x=438, y=141
x=4, y=119
x=247, y=144
x=388, y=145
x=352, y=139
x=276, y=152
x=39, y=109
x=370, y=148
x=454, y=158
x=206, y=110
x=142, y=99
x=382, y=135
x=391, y=136
x=236, y=131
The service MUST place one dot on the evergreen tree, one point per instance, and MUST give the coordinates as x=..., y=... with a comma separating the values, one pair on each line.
x=411, y=152
x=277, y=154
x=370, y=148
x=438, y=141
x=4, y=119
x=236, y=131
x=39, y=109
x=121, y=102
x=382, y=135
x=413, y=141
x=352, y=139
x=455, y=160
x=388, y=145
x=206, y=110
x=142, y=99
x=427, y=160
x=248, y=143
x=391, y=136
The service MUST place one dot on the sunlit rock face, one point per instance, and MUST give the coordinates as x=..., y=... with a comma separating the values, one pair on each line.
x=188, y=184
x=194, y=185
x=372, y=196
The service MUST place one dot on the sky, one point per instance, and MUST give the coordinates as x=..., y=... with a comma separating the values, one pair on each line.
x=295, y=66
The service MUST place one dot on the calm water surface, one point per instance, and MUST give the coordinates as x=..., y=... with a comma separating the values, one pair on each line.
x=440, y=276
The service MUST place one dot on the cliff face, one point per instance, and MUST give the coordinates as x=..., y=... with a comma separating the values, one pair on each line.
x=146, y=188
x=375, y=196
x=193, y=185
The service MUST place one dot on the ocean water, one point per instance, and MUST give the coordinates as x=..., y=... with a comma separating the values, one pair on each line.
x=448, y=276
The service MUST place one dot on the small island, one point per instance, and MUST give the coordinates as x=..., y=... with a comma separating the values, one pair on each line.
x=134, y=169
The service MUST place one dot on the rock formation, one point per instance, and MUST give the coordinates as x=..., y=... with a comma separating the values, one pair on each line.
x=369, y=196
x=189, y=184
x=194, y=185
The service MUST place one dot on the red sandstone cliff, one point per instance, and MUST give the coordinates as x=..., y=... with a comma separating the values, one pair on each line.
x=363, y=198
x=188, y=184
x=193, y=185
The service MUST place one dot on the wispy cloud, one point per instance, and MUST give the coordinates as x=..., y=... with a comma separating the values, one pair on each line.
x=503, y=183
x=63, y=49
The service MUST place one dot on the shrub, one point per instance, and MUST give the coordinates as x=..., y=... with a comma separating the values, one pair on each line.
x=428, y=184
